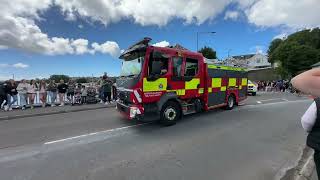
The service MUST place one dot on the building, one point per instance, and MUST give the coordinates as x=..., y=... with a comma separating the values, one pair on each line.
x=250, y=61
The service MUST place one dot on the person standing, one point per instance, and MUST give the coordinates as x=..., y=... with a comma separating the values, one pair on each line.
x=62, y=89
x=114, y=91
x=52, y=91
x=70, y=91
x=11, y=90
x=22, y=90
x=106, y=86
x=308, y=83
x=84, y=94
x=3, y=95
x=43, y=92
x=32, y=91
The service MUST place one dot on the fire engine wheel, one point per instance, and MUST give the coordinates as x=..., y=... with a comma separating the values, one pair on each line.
x=231, y=102
x=170, y=113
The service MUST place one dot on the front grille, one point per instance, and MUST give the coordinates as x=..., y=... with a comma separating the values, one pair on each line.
x=124, y=97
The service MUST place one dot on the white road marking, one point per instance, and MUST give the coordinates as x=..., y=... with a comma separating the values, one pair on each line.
x=259, y=102
x=94, y=133
x=275, y=103
x=270, y=99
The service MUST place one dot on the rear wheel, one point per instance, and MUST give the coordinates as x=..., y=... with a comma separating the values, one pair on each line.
x=170, y=113
x=231, y=102
x=254, y=94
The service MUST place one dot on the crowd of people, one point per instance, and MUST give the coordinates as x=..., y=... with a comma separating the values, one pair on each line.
x=275, y=86
x=57, y=93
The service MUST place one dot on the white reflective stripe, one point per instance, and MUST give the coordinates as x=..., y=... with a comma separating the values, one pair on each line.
x=124, y=89
x=137, y=95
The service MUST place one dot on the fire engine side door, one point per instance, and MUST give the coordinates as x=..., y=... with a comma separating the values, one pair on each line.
x=192, y=77
x=176, y=83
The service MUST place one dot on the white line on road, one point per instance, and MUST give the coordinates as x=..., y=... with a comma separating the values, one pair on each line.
x=259, y=102
x=94, y=133
x=275, y=103
x=270, y=99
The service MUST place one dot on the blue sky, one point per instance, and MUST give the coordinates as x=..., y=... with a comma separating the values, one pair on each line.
x=238, y=32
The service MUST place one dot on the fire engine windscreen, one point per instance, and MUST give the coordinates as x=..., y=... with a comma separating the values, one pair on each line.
x=132, y=64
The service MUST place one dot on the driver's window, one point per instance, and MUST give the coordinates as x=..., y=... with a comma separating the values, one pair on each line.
x=158, y=65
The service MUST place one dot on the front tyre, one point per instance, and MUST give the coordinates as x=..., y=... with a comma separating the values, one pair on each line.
x=231, y=102
x=170, y=113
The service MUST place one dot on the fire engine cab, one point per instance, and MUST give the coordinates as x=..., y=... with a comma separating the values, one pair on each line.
x=169, y=82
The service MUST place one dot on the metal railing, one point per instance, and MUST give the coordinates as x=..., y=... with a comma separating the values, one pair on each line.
x=37, y=101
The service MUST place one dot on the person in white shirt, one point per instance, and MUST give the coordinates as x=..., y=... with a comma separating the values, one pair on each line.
x=43, y=92
x=309, y=83
x=22, y=90
x=32, y=91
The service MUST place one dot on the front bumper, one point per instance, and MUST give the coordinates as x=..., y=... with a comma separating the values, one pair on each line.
x=130, y=112
x=252, y=89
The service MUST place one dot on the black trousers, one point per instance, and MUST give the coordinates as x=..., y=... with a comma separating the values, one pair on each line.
x=317, y=161
x=106, y=96
x=2, y=98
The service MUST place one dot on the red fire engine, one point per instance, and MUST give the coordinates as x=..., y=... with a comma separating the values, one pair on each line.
x=168, y=82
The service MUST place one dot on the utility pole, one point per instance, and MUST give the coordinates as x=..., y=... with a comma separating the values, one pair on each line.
x=229, y=50
x=212, y=32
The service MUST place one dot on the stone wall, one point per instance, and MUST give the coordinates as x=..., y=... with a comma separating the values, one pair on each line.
x=263, y=75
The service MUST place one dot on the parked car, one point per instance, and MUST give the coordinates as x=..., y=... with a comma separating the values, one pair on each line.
x=252, y=88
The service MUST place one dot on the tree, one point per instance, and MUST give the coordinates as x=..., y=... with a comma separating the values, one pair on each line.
x=273, y=46
x=57, y=78
x=296, y=53
x=208, y=52
x=82, y=80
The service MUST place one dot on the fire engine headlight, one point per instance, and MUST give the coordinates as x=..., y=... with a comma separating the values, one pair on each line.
x=134, y=111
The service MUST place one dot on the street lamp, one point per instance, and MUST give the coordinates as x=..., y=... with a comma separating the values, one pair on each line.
x=209, y=32
x=229, y=50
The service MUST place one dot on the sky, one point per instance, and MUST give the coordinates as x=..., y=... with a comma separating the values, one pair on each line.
x=39, y=38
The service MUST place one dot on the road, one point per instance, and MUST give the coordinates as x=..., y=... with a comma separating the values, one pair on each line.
x=258, y=140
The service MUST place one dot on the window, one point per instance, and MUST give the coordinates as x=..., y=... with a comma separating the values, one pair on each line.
x=191, y=67
x=259, y=60
x=177, y=65
x=158, y=64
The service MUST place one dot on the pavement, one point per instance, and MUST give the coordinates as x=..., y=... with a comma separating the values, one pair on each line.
x=39, y=111
x=259, y=140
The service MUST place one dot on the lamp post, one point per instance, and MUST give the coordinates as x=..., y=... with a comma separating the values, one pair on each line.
x=208, y=32
x=229, y=50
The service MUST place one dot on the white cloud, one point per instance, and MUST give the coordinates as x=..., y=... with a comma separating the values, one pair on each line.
x=19, y=31
x=233, y=15
x=80, y=26
x=20, y=65
x=17, y=65
x=80, y=46
x=109, y=47
x=144, y=12
x=162, y=44
x=292, y=13
x=281, y=36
